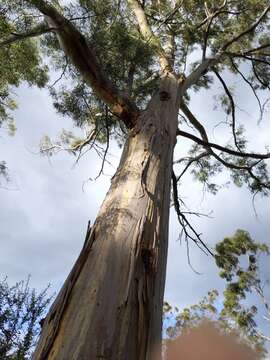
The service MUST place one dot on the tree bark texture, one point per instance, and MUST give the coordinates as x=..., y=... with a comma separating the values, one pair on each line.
x=110, y=306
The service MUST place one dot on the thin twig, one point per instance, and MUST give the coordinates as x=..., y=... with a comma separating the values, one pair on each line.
x=194, y=235
x=228, y=93
x=61, y=75
x=251, y=86
x=107, y=144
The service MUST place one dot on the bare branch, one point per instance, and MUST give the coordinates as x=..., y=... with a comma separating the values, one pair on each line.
x=83, y=57
x=186, y=226
x=208, y=146
x=192, y=119
x=248, y=168
x=61, y=75
x=251, y=86
x=107, y=145
x=222, y=148
x=191, y=160
x=204, y=140
x=228, y=93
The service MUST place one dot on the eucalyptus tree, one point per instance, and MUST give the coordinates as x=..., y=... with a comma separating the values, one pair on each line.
x=127, y=71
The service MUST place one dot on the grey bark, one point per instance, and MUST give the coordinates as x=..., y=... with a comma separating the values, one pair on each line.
x=110, y=307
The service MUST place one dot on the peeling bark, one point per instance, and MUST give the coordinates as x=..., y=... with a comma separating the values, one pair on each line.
x=110, y=307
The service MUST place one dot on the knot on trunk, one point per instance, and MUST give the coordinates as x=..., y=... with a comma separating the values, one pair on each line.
x=164, y=96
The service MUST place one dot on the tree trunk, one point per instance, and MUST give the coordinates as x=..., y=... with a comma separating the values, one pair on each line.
x=110, y=306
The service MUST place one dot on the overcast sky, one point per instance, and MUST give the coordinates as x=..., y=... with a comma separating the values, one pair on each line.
x=43, y=217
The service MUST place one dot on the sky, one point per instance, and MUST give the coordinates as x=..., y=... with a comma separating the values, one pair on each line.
x=45, y=210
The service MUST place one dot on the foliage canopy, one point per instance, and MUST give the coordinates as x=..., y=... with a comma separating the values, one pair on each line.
x=21, y=311
x=128, y=41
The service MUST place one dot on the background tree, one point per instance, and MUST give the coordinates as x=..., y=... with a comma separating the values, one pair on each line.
x=212, y=342
x=238, y=259
x=127, y=71
x=20, y=62
x=21, y=313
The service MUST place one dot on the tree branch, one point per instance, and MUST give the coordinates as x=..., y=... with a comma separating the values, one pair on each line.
x=83, y=57
x=191, y=160
x=198, y=72
x=183, y=221
x=57, y=146
x=247, y=57
x=209, y=20
x=251, y=87
x=206, y=19
x=149, y=36
x=247, y=31
x=107, y=144
x=192, y=119
x=207, y=63
x=38, y=30
x=222, y=148
x=228, y=93
x=261, y=47
x=208, y=146
x=259, y=79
